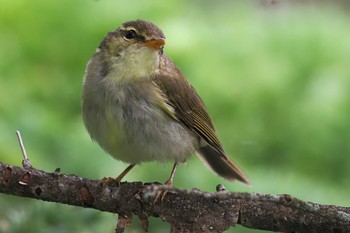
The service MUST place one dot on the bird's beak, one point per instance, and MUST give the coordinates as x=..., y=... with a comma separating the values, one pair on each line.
x=155, y=43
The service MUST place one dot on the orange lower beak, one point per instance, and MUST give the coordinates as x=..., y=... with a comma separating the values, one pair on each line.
x=156, y=43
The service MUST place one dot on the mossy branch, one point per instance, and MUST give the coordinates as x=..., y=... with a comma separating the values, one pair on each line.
x=186, y=211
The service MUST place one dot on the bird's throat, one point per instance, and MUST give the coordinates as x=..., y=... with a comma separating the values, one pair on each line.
x=134, y=64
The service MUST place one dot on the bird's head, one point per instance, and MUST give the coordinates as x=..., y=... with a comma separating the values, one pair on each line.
x=133, y=49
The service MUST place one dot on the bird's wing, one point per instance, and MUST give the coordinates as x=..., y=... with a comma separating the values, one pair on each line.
x=185, y=103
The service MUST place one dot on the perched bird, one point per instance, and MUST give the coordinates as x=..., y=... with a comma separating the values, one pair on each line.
x=139, y=107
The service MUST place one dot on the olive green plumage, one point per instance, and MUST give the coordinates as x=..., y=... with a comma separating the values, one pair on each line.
x=139, y=106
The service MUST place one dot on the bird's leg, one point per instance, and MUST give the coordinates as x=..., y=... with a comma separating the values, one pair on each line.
x=161, y=194
x=171, y=178
x=121, y=175
x=109, y=180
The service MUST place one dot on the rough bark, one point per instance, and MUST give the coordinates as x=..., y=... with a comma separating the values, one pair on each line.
x=186, y=211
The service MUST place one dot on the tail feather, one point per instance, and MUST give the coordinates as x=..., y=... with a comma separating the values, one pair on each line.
x=220, y=164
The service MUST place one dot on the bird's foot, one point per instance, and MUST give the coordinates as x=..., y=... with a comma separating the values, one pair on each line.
x=116, y=181
x=161, y=194
x=109, y=181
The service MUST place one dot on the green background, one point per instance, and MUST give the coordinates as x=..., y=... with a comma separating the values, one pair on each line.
x=275, y=78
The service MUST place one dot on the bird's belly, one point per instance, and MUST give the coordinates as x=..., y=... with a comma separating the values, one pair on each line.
x=136, y=131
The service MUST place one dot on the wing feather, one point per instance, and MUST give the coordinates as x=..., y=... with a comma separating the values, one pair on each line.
x=182, y=103
x=188, y=106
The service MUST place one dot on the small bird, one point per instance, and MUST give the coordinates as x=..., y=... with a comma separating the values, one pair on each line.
x=139, y=107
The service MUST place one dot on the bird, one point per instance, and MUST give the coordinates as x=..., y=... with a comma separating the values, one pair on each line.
x=139, y=107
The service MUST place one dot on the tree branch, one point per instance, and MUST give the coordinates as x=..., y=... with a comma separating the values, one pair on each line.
x=186, y=211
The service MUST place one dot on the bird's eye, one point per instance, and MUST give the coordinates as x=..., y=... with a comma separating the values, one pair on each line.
x=130, y=34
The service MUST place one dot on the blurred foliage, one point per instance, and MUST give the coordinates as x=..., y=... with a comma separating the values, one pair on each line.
x=275, y=78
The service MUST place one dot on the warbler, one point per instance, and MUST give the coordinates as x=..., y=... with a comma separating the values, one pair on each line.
x=139, y=107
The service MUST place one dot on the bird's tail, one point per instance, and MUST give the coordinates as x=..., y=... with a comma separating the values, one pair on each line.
x=219, y=163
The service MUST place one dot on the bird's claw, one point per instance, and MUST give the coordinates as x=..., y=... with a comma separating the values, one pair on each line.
x=109, y=181
x=161, y=194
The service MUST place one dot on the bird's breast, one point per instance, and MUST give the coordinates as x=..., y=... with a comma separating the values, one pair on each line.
x=129, y=124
